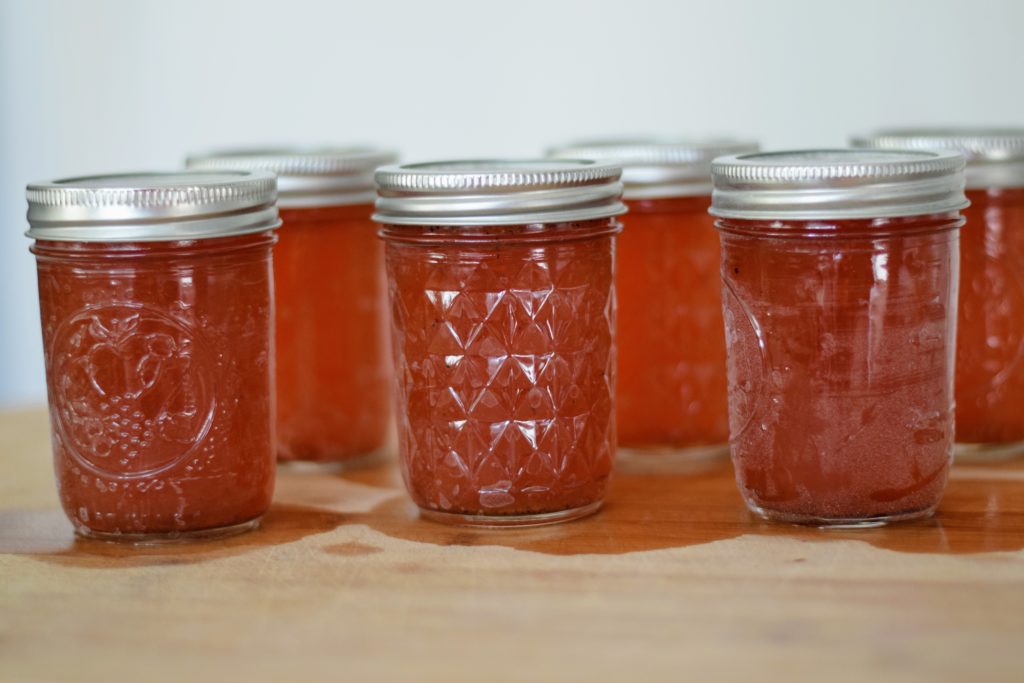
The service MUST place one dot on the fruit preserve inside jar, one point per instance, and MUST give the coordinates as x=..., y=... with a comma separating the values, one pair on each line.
x=990, y=356
x=841, y=342
x=333, y=381
x=671, y=382
x=504, y=352
x=158, y=358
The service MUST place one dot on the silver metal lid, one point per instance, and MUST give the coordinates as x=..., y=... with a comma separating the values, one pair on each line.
x=653, y=169
x=837, y=184
x=498, y=192
x=308, y=178
x=995, y=156
x=142, y=207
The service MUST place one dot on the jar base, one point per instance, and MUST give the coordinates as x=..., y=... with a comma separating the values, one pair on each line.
x=670, y=459
x=357, y=462
x=841, y=522
x=171, y=537
x=987, y=452
x=510, y=521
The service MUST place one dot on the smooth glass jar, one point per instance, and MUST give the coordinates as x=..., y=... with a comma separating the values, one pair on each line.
x=671, y=404
x=157, y=319
x=990, y=337
x=500, y=276
x=333, y=370
x=839, y=273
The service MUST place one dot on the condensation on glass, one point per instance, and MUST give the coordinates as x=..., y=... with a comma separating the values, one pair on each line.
x=671, y=404
x=839, y=273
x=155, y=299
x=990, y=334
x=333, y=370
x=500, y=276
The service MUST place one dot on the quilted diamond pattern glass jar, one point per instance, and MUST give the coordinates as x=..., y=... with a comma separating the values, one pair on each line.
x=503, y=316
x=157, y=320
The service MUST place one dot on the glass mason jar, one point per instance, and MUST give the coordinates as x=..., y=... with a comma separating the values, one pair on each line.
x=155, y=299
x=990, y=336
x=839, y=273
x=333, y=371
x=500, y=275
x=671, y=404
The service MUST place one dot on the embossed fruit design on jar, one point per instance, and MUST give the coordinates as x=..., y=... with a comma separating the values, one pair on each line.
x=840, y=275
x=155, y=294
x=990, y=332
x=333, y=369
x=671, y=405
x=500, y=277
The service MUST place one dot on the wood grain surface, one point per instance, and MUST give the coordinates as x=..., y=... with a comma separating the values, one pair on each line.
x=673, y=581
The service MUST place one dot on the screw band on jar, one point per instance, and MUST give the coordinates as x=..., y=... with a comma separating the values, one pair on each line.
x=498, y=192
x=655, y=169
x=995, y=156
x=837, y=184
x=147, y=207
x=308, y=178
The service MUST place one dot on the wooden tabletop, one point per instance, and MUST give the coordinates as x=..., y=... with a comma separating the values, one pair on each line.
x=673, y=581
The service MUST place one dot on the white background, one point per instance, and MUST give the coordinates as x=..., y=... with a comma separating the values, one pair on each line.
x=89, y=86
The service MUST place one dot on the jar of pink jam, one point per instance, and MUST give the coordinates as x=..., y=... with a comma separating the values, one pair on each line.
x=155, y=295
x=501, y=281
x=839, y=272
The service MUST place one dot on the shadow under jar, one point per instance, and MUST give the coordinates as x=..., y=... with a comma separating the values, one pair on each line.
x=333, y=371
x=155, y=299
x=500, y=275
x=671, y=396
x=990, y=334
x=839, y=273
